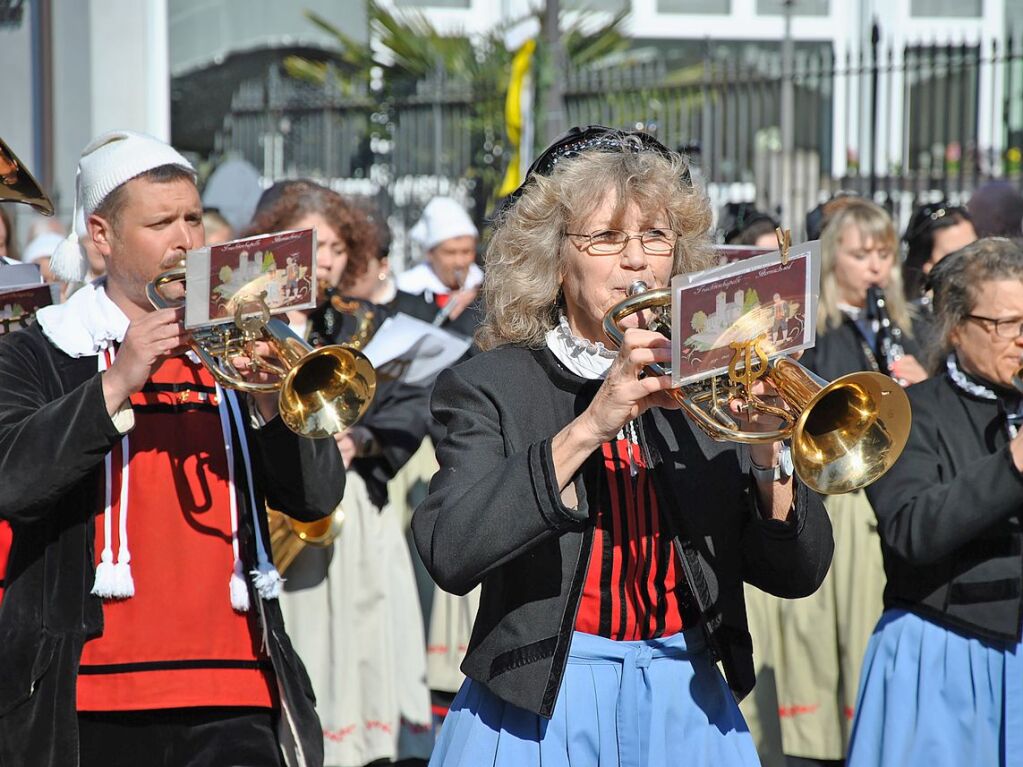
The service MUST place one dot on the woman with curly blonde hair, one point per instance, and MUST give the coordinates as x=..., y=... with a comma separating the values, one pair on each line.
x=610, y=537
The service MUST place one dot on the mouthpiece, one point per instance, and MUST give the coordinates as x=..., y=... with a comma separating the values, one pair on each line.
x=637, y=287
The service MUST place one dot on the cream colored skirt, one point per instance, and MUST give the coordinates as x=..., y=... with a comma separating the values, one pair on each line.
x=808, y=652
x=353, y=614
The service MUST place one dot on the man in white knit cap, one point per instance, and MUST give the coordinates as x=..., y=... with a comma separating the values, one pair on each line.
x=446, y=283
x=150, y=638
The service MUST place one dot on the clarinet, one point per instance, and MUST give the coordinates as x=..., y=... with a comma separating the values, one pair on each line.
x=889, y=335
x=461, y=276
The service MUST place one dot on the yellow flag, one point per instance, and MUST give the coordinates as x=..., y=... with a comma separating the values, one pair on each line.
x=518, y=116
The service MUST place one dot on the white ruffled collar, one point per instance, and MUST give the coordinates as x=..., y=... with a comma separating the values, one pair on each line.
x=86, y=324
x=422, y=279
x=1010, y=403
x=581, y=356
x=965, y=382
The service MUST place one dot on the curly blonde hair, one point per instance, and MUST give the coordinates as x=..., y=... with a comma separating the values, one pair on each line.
x=875, y=225
x=526, y=254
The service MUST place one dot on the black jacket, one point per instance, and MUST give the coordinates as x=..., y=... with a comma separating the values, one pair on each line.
x=949, y=516
x=840, y=350
x=423, y=308
x=494, y=516
x=54, y=433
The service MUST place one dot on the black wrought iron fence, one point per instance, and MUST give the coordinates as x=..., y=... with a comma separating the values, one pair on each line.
x=903, y=124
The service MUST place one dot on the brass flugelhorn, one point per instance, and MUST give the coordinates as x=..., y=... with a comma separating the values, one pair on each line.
x=289, y=537
x=18, y=185
x=845, y=433
x=322, y=391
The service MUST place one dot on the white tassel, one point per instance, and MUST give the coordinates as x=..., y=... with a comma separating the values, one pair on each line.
x=103, y=585
x=124, y=584
x=265, y=577
x=267, y=580
x=239, y=589
x=69, y=261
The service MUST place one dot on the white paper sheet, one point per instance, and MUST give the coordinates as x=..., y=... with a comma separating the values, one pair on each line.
x=412, y=350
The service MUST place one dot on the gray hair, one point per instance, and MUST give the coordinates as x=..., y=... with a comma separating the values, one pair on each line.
x=957, y=279
x=526, y=254
x=873, y=224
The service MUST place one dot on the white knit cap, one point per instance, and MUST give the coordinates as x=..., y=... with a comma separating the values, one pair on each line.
x=109, y=161
x=443, y=219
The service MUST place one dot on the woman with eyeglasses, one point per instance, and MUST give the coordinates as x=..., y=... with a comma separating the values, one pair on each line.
x=934, y=231
x=611, y=537
x=942, y=679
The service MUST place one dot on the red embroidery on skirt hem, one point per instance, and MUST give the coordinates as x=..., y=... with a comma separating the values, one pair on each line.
x=788, y=711
x=340, y=734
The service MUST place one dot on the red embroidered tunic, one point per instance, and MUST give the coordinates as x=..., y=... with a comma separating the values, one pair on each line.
x=634, y=587
x=177, y=642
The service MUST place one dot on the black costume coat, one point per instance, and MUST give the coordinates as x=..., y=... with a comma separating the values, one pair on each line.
x=839, y=351
x=421, y=308
x=949, y=516
x=54, y=434
x=494, y=516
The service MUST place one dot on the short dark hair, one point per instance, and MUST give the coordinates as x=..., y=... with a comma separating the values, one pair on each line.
x=752, y=230
x=110, y=207
x=919, y=237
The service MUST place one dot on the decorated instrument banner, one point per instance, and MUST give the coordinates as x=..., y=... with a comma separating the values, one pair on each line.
x=762, y=307
x=272, y=272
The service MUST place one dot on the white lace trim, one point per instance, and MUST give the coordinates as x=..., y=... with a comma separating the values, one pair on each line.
x=585, y=358
x=965, y=384
x=1013, y=410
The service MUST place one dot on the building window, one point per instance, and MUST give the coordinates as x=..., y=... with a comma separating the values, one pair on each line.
x=434, y=3
x=960, y=9
x=612, y=6
x=694, y=6
x=799, y=7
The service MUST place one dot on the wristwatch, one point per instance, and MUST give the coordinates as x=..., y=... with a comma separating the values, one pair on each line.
x=780, y=471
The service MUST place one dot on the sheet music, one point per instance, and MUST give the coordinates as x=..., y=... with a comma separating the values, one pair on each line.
x=412, y=350
x=19, y=275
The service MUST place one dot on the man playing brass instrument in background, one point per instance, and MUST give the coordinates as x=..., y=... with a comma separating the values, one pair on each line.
x=152, y=637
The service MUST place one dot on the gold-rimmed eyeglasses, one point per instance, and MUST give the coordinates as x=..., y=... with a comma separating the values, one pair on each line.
x=611, y=242
x=1009, y=329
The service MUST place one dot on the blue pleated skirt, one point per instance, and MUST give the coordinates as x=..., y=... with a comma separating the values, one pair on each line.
x=621, y=704
x=930, y=696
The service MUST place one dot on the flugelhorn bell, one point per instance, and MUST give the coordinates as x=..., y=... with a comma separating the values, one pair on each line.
x=845, y=434
x=322, y=391
x=18, y=185
x=289, y=537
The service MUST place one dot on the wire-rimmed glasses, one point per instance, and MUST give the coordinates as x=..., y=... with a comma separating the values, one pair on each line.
x=611, y=242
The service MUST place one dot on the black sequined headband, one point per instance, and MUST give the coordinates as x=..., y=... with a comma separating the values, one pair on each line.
x=592, y=138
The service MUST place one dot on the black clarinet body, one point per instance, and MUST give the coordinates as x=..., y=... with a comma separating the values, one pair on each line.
x=889, y=335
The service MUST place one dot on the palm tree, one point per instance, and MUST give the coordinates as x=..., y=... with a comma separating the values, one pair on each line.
x=412, y=59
